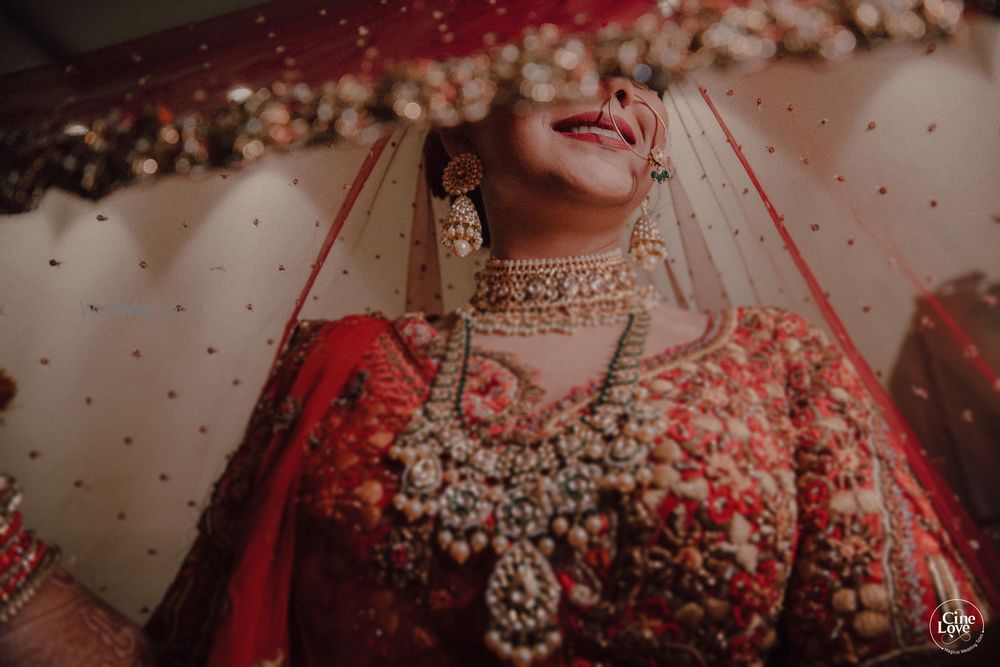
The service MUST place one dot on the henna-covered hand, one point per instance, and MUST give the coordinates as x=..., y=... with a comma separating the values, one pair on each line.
x=66, y=625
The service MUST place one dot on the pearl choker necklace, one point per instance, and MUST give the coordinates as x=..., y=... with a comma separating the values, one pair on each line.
x=555, y=294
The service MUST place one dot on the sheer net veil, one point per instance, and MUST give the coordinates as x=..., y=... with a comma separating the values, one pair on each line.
x=141, y=320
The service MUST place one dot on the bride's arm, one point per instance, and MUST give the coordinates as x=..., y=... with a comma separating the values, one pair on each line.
x=46, y=617
x=67, y=625
x=874, y=561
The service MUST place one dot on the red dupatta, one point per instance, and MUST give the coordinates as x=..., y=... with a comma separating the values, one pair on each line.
x=228, y=605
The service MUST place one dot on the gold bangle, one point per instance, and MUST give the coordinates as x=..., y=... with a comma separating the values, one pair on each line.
x=24, y=590
x=10, y=495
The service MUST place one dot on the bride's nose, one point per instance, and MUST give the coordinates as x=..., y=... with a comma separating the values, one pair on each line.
x=621, y=88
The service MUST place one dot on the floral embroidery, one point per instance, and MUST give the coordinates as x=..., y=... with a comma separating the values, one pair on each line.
x=781, y=514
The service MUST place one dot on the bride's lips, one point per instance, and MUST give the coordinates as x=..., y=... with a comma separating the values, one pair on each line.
x=600, y=120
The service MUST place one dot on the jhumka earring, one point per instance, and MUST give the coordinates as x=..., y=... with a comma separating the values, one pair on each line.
x=463, y=232
x=646, y=244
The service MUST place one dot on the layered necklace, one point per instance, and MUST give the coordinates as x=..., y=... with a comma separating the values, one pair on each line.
x=527, y=296
x=523, y=494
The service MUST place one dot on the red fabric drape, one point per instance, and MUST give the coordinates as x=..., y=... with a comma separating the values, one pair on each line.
x=245, y=549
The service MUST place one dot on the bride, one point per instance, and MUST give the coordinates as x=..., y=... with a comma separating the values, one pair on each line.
x=565, y=471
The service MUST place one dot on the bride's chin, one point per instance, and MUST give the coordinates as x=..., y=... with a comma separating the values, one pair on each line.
x=610, y=187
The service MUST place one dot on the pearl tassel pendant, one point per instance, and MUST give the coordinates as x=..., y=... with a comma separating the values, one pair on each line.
x=463, y=232
x=646, y=244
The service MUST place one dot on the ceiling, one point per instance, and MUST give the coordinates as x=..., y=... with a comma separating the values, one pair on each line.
x=37, y=32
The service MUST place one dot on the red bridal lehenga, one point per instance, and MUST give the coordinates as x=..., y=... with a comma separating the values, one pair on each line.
x=782, y=520
x=778, y=520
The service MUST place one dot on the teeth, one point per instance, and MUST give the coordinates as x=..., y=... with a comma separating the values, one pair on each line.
x=590, y=129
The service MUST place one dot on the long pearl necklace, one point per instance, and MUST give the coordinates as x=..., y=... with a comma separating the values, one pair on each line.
x=523, y=495
x=555, y=294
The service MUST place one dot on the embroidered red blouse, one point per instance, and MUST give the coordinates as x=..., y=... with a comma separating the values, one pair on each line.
x=783, y=519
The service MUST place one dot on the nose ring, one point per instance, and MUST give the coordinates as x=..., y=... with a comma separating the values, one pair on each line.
x=656, y=158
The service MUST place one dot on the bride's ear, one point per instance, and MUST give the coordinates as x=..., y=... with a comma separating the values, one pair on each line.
x=442, y=144
x=455, y=140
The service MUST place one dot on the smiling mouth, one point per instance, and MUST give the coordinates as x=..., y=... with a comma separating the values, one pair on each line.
x=596, y=127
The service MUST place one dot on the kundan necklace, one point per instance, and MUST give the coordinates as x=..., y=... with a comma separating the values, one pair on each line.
x=524, y=495
x=527, y=296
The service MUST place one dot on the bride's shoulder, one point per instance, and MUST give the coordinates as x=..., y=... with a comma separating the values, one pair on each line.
x=793, y=334
x=751, y=321
x=416, y=328
x=319, y=334
x=774, y=319
x=371, y=317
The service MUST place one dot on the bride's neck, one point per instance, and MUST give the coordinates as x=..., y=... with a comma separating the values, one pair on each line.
x=528, y=243
x=538, y=233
